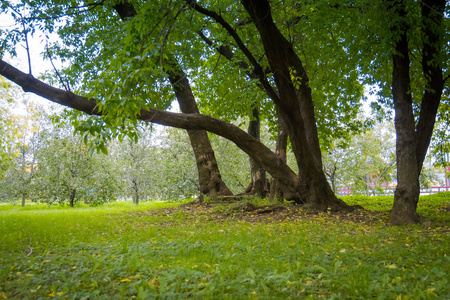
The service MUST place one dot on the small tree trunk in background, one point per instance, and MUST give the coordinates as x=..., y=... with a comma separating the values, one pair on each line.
x=72, y=197
x=258, y=184
x=135, y=189
x=276, y=193
x=23, y=200
x=135, y=198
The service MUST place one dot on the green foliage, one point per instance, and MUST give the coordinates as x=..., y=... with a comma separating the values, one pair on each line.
x=110, y=252
x=68, y=172
x=364, y=162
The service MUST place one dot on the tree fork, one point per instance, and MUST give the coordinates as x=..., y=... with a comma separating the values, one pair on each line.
x=276, y=167
x=209, y=177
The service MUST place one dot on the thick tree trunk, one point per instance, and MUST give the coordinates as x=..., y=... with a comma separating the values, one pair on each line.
x=276, y=167
x=296, y=107
x=413, y=143
x=407, y=192
x=209, y=178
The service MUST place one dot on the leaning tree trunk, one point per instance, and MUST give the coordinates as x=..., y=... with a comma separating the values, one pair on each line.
x=296, y=107
x=209, y=177
x=210, y=180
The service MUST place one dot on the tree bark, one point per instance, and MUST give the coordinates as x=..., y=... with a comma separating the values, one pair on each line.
x=276, y=167
x=296, y=107
x=407, y=192
x=209, y=177
x=276, y=192
x=258, y=184
x=413, y=142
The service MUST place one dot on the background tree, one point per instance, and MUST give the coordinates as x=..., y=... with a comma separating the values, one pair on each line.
x=7, y=128
x=29, y=139
x=67, y=172
x=365, y=163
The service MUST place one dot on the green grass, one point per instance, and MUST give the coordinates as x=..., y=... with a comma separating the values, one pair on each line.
x=120, y=251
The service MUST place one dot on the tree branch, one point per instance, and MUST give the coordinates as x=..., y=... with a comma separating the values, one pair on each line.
x=254, y=148
x=258, y=70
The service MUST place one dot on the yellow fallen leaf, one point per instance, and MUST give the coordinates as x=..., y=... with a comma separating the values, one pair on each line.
x=392, y=267
x=125, y=280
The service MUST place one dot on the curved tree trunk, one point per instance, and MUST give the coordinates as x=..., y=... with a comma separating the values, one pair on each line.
x=296, y=107
x=209, y=178
x=254, y=148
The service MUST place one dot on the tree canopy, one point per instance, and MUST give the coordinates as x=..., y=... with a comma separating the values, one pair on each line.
x=301, y=63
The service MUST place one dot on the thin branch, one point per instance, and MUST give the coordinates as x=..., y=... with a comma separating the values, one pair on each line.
x=64, y=84
x=88, y=7
x=257, y=67
x=25, y=32
x=445, y=79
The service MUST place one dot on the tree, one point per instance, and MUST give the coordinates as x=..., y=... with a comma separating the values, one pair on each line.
x=67, y=172
x=412, y=82
x=294, y=102
x=29, y=140
x=8, y=128
x=364, y=163
x=413, y=140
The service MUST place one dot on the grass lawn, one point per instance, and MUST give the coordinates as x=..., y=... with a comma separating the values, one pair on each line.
x=223, y=251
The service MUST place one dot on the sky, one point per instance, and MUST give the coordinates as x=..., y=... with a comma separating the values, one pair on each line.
x=38, y=64
x=37, y=46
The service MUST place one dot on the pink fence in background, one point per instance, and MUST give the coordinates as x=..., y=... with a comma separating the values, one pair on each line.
x=390, y=191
